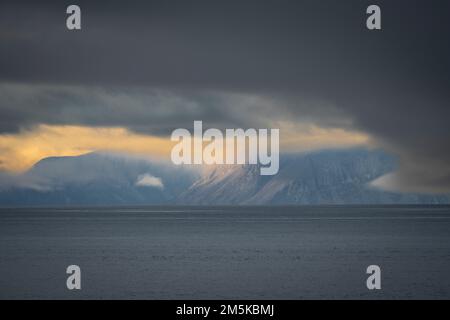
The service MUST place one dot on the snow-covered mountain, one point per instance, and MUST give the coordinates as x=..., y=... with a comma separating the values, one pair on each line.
x=324, y=177
x=224, y=184
x=97, y=179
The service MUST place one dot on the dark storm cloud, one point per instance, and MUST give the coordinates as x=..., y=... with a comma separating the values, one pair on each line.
x=148, y=110
x=393, y=83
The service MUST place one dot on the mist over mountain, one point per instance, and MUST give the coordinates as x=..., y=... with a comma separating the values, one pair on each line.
x=97, y=179
x=322, y=177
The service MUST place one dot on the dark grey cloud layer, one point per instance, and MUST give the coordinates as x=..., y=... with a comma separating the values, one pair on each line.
x=154, y=110
x=393, y=84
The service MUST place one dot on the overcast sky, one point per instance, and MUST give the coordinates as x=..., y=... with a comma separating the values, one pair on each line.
x=154, y=66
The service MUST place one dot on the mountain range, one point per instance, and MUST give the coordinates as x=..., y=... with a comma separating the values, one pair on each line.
x=327, y=177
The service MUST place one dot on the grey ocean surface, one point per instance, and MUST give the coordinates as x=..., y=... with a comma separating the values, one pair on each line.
x=226, y=252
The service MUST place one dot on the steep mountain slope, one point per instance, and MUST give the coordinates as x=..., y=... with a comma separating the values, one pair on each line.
x=230, y=184
x=325, y=177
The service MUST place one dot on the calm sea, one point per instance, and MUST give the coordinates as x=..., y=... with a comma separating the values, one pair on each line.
x=225, y=252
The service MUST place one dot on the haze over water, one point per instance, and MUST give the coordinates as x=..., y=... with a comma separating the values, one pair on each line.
x=226, y=252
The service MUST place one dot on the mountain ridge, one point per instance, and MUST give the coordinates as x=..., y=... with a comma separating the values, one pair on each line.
x=326, y=177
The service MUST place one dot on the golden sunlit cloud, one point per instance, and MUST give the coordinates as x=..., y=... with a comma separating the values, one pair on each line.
x=307, y=137
x=20, y=151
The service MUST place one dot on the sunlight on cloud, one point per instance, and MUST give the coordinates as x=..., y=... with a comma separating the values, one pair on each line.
x=19, y=152
x=301, y=137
